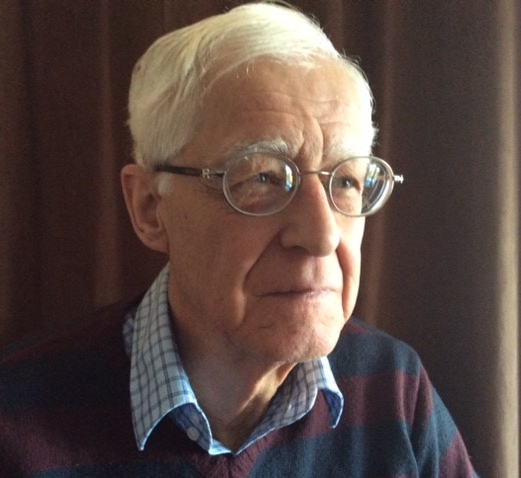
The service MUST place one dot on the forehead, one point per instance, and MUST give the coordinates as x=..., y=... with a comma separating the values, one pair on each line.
x=318, y=88
x=317, y=107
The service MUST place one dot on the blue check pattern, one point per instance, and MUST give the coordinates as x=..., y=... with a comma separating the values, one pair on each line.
x=160, y=389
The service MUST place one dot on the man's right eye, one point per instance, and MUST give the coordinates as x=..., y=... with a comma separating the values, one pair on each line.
x=266, y=178
x=261, y=178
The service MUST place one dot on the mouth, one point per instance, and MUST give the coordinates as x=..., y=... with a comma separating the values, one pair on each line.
x=302, y=293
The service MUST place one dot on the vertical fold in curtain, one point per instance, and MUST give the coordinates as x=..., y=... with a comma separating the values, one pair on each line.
x=108, y=251
x=124, y=267
x=507, y=383
x=19, y=181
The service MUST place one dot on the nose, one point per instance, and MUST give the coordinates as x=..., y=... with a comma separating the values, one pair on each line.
x=310, y=223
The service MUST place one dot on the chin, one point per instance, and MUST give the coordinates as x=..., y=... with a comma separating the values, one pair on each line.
x=291, y=336
x=322, y=347
x=302, y=349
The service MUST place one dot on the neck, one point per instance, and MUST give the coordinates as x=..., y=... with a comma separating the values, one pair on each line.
x=234, y=413
x=234, y=392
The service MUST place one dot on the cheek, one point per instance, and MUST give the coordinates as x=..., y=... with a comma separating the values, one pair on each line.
x=211, y=255
x=349, y=256
x=351, y=284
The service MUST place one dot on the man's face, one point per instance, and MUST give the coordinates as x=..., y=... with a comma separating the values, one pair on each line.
x=279, y=288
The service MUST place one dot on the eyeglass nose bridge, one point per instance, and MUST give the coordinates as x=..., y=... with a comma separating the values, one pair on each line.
x=324, y=177
x=327, y=174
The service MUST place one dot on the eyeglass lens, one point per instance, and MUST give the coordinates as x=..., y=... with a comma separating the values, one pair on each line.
x=260, y=184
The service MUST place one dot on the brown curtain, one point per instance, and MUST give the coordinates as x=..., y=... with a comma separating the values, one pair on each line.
x=441, y=262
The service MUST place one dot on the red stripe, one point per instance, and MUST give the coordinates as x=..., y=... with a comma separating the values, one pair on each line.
x=384, y=398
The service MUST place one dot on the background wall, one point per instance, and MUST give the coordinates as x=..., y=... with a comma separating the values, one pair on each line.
x=441, y=261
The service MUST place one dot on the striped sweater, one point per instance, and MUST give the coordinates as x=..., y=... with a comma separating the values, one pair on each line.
x=65, y=412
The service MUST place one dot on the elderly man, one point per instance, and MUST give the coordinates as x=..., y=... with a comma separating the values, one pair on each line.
x=253, y=175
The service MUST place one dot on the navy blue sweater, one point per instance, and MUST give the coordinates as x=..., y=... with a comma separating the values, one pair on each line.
x=65, y=412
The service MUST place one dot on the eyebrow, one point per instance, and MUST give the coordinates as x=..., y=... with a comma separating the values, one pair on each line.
x=340, y=151
x=335, y=152
x=243, y=148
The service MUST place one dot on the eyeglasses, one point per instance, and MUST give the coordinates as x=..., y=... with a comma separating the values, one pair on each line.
x=262, y=184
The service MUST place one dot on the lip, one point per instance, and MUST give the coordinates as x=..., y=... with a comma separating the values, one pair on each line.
x=302, y=292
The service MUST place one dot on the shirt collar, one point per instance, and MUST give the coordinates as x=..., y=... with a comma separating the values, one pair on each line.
x=159, y=384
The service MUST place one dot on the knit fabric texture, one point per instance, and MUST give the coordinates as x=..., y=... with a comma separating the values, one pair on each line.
x=65, y=412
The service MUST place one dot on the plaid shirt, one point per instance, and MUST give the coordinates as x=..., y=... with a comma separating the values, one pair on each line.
x=159, y=386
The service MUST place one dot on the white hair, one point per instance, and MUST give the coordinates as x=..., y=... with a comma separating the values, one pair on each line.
x=170, y=80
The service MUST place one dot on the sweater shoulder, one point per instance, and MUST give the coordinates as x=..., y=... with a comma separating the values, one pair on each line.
x=83, y=361
x=365, y=350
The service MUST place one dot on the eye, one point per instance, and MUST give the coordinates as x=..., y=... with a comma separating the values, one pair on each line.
x=260, y=172
x=343, y=182
x=254, y=179
x=350, y=175
x=266, y=177
x=259, y=183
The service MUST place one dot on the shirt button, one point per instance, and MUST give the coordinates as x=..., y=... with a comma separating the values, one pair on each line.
x=192, y=433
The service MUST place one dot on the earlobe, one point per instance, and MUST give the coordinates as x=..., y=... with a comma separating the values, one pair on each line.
x=142, y=200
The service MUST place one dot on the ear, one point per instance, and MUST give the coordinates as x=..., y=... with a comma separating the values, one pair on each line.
x=142, y=200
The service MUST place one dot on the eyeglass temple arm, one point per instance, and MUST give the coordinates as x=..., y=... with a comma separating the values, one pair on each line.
x=186, y=171
x=168, y=168
x=397, y=178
